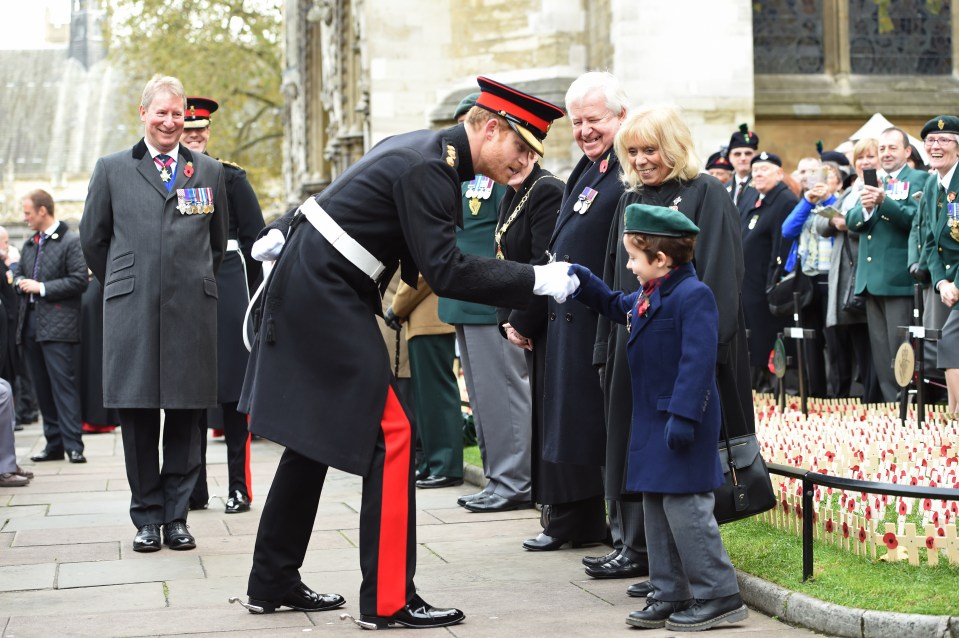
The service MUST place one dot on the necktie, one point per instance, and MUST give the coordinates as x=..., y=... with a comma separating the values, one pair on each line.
x=739, y=191
x=164, y=162
x=40, y=239
x=940, y=200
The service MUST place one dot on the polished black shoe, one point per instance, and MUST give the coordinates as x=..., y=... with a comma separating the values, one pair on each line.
x=417, y=614
x=147, y=538
x=466, y=498
x=496, y=503
x=545, y=543
x=176, y=536
x=432, y=481
x=76, y=457
x=619, y=567
x=300, y=598
x=47, y=455
x=237, y=503
x=641, y=589
x=599, y=560
x=17, y=427
x=703, y=614
x=654, y=615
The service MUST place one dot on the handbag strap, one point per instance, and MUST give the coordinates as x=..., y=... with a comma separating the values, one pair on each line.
x=846, y=250
x=729, y=445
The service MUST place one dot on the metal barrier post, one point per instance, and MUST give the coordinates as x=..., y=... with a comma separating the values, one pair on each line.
x=807, y=529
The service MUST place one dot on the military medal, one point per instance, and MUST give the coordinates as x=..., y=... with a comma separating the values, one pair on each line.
x=897, y=190
x=585, y=200
x=164, y=167
x=953, y=213
x=194, y=201
x=752, y=222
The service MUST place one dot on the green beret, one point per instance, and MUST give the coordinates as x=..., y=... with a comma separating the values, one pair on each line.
x=941, y=124
x=657, y=220
x=465, y=105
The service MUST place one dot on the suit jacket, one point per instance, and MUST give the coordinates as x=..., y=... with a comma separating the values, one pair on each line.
x=158, y=268
x=883, y=266
x=64, y=276
x=672, y=361
x=401, y=202
x=474, y=238
x=573, y=401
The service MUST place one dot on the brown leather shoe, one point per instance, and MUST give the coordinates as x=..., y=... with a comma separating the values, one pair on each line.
x=9, y=479
x=22, y=472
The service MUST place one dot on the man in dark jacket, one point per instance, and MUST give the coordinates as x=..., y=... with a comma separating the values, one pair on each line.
x=319, y=379
x=52, y=279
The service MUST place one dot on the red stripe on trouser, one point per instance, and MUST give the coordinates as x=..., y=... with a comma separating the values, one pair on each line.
x=248, y=477
x=394, y=515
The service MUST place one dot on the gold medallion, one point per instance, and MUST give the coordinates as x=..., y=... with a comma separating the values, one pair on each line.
x=475, y=206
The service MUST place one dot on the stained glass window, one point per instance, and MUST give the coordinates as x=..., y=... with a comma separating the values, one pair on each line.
x=788, y=36
x=905, y=37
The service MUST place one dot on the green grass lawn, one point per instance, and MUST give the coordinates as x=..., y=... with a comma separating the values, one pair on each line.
x=839, y=577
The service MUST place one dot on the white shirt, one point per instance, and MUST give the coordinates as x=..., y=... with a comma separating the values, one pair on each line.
x=174, y=153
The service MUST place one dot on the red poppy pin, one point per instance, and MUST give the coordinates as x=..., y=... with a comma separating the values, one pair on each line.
x=188, y=169
x=603, y=166
x=951, y=197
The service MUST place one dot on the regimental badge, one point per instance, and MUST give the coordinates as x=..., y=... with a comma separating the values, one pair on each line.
x=941, y=124
x=195, y=201
x=951, y=197
x=451, y=155
x=475, y=206
x=585, y=200
x=897, y=190
x=752, y=221
x=953, y=220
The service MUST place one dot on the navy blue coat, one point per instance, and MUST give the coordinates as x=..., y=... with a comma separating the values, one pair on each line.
x=672, y=364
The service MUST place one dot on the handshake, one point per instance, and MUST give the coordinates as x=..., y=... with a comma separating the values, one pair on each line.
x=556, y=280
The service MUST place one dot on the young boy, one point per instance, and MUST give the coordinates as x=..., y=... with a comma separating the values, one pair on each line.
x=673, y=456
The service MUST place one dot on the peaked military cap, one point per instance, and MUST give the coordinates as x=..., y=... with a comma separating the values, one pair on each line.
x=198, y=111
x=465, y=105
x=767, y=157
x=718, y=160
x=529, y=116
x=941, y=124
x=657, y=220
x=743, y=138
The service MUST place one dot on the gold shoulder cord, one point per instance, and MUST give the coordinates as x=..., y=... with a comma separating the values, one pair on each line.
x=516, y=211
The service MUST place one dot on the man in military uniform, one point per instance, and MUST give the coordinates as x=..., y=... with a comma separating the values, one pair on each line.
x=743, y=145
x=238, y=274
x=883, y=218
x=319, y=379
x=719, y=166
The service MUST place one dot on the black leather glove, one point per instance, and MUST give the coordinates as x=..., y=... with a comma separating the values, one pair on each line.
x=919, y=274
x=392, y=320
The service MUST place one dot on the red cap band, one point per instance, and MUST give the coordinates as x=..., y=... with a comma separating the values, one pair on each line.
x=496, y=104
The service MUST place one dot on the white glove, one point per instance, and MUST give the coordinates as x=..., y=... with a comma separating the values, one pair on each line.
x=553, y=280
x=268, y=247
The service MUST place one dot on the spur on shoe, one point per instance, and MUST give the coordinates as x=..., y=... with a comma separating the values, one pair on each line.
x=12, y=479
x=417, y=614
x=546, y=543
x=620, y=567
x=599, y=560
x=703, y=614
x=237, y=503
x=495, y=503
x=433, y=480
x=300, y=598
x=147, y=538
x=641, y=589
x=176, y=536
x=654, y=615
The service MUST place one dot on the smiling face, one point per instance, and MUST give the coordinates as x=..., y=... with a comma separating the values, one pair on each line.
x=641, y=266
x=648, y=163
x=594, y=125
x=868, y=158
x=943, y=151
x=196, y=139
x=893, y=151
x=163, y=121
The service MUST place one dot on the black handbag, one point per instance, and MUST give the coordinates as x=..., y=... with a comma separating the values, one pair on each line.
x=747, y=490
x=780, y=293
x=851, y=302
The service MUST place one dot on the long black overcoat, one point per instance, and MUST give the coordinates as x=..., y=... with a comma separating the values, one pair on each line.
x=319, y=371
x=762, y=227
x=719, y=263
x=573, y=401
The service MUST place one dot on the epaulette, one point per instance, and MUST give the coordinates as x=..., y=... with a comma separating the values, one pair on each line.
x=229, y=163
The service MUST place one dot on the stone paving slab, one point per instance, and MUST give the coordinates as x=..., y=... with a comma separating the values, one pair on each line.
x=169, y=566
x=32, y=555
x=22, y=577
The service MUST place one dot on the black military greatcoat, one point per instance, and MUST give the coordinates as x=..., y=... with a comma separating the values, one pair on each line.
x=573, y=402
x=319, y=371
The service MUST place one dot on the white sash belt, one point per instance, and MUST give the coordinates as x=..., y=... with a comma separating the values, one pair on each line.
x=344, y=244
